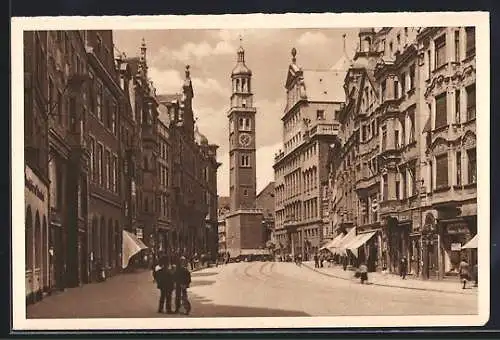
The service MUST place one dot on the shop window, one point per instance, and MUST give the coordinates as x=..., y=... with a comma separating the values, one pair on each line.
x=441, y=111
x=472, y=165
x=442, y=171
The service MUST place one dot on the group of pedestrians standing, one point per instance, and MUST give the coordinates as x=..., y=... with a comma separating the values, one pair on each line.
x=170, y=277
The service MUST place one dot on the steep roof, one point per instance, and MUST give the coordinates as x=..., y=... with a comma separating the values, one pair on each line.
x=268, y=187
x=324, y=85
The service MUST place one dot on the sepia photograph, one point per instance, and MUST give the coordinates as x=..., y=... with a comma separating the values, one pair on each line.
x=250, y=171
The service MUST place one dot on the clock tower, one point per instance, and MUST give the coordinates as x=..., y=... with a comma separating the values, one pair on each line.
x=242, y=183
x=244, y=228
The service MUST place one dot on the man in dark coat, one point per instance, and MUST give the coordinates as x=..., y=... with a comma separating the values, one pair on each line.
x=182, y=278
x=165, y=283
x=403, y=267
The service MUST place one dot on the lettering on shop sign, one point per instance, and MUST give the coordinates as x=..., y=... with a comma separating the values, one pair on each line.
x=457, y=228
x=33, y=188
x=456, y=246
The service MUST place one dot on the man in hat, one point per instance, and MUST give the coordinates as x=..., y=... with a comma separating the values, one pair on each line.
x=182, y=278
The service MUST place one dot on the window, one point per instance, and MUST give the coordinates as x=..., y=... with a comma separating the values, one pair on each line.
x=320, y=114
x=396, y=89
x=457, y=106
x=441, y=111
x=245, y=192
x=382, y=90
x=471, y=102
x=92, y=158
x=385, y=188
x=457, y=46
x=440, y=51
x=470, y=48
x=403, y=184
x=92, y=93
x=432, y=175
x=241, y=123
x=396, y=139
x=114, y=109
x=403, y=83
x=363, y=133
x=472, y=166
x=398, y=184
x=384, y=138
x=99, y=101
x=72, y=114
x=399, y=39
x=429, y=67
x=411, y=135
x=459, y=167
x=245, y=161
x=108, y=174
x=413, y=178
x=412, y=76
x=442, y=171
x=114, y=174
x=100, y=172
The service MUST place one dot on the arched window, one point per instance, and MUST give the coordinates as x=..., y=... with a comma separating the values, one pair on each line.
x=237, y=85
x=243, y=85
x=38, y=241
x=28, y=239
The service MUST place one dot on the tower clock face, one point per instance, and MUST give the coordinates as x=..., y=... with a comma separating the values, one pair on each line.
x=245, y=139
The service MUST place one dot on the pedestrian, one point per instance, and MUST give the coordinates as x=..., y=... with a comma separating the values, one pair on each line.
x=321, y=259
x=165, y=283
x=344, y=262
x=299, y=260
x=475, y=273
x=316, y=261
x=403, y=267
x=182, y=278
x=363, y=273
x=464, y=272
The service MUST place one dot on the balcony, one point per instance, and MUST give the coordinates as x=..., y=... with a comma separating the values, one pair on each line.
x=323, y=129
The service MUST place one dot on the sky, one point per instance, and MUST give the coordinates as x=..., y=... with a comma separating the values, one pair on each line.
x=211, y=55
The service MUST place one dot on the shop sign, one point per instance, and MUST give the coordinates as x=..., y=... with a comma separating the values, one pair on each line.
x=457, y=228
x=456, y=246
x=404, y=217
x=32, y=183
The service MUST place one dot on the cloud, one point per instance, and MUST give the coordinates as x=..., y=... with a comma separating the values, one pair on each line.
x=190, y=50
x=269, y=125
x=313, y=38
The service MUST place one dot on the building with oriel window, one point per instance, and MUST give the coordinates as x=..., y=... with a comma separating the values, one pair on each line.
x=447, y=67
x=405, y=163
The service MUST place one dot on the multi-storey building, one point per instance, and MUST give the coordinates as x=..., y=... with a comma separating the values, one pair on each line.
x=222, y=209
x=194, y=178
x=244, y=221
x=36, y=153
x=384, y=182
x=314, y=98
x=106, y=106
x=447, y=69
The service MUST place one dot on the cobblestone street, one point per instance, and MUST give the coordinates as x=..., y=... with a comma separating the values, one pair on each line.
x=255, y=289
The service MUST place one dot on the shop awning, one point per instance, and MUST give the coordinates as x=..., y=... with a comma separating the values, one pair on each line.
x=359, y=241
x=131, y=245
x=472, y=244
x=341, y=247
x=333, y=243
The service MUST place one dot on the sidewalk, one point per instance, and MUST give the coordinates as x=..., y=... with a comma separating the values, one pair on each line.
x=392, y=280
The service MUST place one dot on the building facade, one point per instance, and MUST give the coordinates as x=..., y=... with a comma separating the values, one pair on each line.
x=106, y=106
x=265, y=201
x=301, y=169
x=244, y=219
x=384, y=175
x=36, y=143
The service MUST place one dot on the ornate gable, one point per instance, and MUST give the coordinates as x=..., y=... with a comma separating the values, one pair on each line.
x=469, y=140
x=439, y=145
